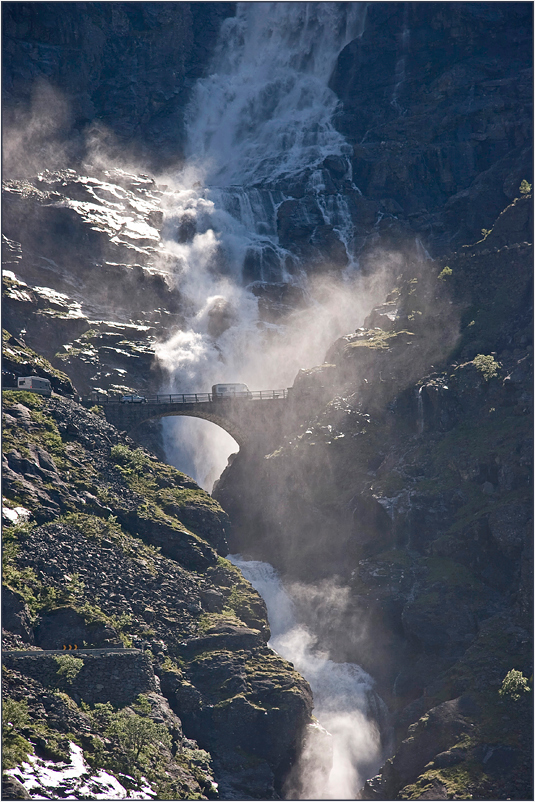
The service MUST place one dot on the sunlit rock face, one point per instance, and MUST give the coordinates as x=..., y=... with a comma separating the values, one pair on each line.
x=85, y=280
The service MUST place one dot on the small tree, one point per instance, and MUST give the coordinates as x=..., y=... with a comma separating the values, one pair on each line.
x=514, y=685
x=486, y=365
x=15, y=748
x=525, y=187
x=139, y=737
x=15, y=715
x=101, y=715
x=68, y=667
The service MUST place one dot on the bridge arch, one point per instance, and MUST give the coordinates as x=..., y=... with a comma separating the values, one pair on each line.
x=254, y=421
x=229, y=425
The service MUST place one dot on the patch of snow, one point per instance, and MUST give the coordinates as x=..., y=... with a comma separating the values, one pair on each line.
x=46, y=779
x=16, y=514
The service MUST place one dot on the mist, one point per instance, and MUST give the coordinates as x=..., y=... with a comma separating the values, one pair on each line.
x=228, y=341
x=345, y=746
x=37, y=134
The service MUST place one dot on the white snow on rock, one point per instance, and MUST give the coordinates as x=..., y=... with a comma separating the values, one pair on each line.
x=47, y=779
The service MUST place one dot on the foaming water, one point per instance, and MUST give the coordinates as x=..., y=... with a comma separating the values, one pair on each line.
x=266, y=111
x=345, y=702
x=259, y=131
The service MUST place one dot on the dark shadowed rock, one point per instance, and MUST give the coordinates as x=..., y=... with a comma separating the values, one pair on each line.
x=65, y=626
x=16, y=615
x=13, y=789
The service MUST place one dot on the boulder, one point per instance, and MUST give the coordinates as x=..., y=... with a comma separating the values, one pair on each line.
x=13, y=789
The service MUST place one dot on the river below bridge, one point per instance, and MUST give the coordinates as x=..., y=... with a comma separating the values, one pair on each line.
x=336, y=762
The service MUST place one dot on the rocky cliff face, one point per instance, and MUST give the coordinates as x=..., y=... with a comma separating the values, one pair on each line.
x=405, y=479
x=437, y=104
x=410, y=486
x=107, y=547
x=123, y=70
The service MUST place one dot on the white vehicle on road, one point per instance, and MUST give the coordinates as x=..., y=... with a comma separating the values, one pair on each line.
x=231, y=391
x=133, y=399
x=34, y=384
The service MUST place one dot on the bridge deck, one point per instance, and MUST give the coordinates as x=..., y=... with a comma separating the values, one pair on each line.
x=193, y=398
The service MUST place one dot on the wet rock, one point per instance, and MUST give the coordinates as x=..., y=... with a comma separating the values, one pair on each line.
x=508, y=525
x=440, y=726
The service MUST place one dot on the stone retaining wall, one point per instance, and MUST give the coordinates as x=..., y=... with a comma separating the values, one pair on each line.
x=117, y=677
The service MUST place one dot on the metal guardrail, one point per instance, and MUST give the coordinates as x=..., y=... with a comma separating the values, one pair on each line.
x=191, y=398
x=72, y=652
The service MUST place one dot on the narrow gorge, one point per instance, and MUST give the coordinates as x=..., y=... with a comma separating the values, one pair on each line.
x=321, y=587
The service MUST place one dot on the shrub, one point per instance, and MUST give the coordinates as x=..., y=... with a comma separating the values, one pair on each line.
x=514, y=686
x=129, y=461
x=15, y=748
x=101, y=715
x=139, y=737
x=486, y=365
x=446, y=272
x=525, y=187
x=68, y=667
x=15, y=715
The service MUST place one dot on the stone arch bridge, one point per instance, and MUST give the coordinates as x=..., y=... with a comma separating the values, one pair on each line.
x=253, y=419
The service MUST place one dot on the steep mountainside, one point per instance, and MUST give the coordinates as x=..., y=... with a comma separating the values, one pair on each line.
x=128, y=68
x=398, y=501
x=437, y=102
x=409, y=485
x=105, y=547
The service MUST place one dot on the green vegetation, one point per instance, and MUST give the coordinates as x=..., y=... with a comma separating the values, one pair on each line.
x=378, y=339
x=132, y=743
x=15, y=748
x=514, y=685
x=140, y=738
x=23, y=355
x=68, y=667
x=487, y=366
x=130, y=462
x=93, y=526
x=452, y=573
x=456, y=780
x=90, y=334
x=169, y=496
x=446, y=272
x=525, y=187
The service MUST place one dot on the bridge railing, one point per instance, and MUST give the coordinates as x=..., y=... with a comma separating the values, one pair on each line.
x=190, y=398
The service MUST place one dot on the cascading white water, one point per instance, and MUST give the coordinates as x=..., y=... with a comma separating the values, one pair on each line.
x=401, y=64
x=345, y=703
x=265, y=112
x=259, y=125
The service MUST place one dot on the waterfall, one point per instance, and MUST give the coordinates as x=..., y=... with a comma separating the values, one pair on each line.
x=345, y=703
x=420, y=413
x=265, y=112
x=260, y=135
x=400, y=73
x=260, y=131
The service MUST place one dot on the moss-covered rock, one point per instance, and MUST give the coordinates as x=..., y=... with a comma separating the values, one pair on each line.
x=108, y=549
